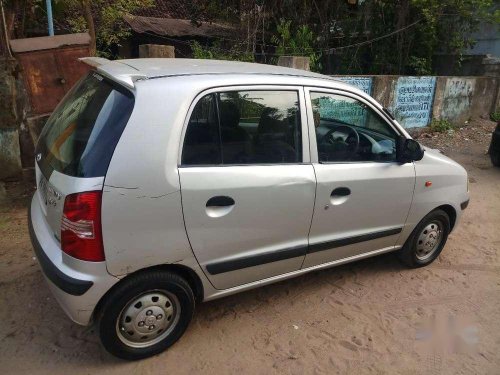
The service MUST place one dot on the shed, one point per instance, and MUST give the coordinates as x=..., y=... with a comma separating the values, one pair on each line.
x=50, y=67
x=177, y=27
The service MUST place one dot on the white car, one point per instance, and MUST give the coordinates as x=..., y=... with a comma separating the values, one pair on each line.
x=167, y=182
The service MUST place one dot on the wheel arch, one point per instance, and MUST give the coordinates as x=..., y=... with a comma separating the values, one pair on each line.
x=185, y=272
x=451, y=212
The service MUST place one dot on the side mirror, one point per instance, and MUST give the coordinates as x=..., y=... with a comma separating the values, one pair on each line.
x=409, y=150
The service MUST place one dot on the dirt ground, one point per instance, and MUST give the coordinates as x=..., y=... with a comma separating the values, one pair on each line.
x=372, y=316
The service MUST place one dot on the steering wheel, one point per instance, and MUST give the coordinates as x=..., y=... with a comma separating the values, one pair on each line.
x=351, y=134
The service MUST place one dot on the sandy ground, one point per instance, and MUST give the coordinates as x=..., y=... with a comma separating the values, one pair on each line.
x=373, y=316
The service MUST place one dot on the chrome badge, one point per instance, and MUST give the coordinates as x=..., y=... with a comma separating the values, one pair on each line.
x=49, y=195
x=38, y=156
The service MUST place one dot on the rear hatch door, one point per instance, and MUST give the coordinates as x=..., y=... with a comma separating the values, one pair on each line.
x=76, y=145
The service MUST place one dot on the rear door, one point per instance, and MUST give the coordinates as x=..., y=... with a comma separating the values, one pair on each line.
x=363, y=194
x=247, y=184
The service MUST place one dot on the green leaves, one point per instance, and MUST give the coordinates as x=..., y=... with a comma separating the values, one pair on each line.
x=217, y=52
x=111, y=29
x=345, y=38
x=299, y=44
x=450, y=25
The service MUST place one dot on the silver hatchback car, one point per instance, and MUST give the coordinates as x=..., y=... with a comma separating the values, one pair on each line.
x=167, y=182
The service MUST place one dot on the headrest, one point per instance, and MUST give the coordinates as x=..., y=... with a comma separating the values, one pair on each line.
x=229, y=114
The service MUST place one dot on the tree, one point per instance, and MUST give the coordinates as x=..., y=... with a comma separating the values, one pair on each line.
x=299, y=43
x=8, y=30
x=89, y=19
x=103, y=19
x=384, y=36
x=448, y=25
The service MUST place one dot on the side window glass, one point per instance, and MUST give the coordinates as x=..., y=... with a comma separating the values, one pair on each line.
x=348, y=130
x=259, y=127
x=202, y=140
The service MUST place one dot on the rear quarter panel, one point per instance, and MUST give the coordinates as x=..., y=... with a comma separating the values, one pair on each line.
x=141, y=210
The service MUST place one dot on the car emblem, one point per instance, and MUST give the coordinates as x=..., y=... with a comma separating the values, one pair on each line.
x=49, y=195
x=38, y=156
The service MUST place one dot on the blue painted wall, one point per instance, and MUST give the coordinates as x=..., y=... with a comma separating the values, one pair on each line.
x=363, y=83
x=412, y=101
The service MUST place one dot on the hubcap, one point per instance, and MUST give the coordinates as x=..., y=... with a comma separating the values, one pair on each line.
x=429, y=240
x=148, y=319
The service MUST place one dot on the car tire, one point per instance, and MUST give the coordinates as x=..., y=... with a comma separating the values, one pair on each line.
x=426, y=241
x=495, y=158
x=145, y=314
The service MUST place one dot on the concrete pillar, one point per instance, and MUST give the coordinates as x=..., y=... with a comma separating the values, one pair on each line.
x=10, y=154
x=10, y=113
x=156, y=50
x=438, y=103
x=383, y=89
x=297, y=62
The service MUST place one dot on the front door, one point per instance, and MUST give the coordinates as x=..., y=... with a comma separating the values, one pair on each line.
x=247, y=184
x=363, y=194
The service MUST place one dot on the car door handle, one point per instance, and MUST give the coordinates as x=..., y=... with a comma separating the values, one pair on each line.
x=219, y=206
x=339, y=195
x=341, y=192
x=220, y=201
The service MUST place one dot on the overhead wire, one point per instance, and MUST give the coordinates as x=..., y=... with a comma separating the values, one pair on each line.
x=328, y=50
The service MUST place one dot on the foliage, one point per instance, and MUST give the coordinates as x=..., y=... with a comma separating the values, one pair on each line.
x=420, y=65
x=448, y=25
x=108, y=17
x=495, y=116
x=441, y=125
x=299, y=44
x=386, y=36
x=216, y=52
x=368, y=37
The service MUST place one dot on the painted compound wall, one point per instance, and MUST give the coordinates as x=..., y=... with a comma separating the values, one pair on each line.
x=415, y=101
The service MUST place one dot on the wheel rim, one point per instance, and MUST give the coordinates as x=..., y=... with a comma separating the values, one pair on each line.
x=148, y=319
x=429, y=240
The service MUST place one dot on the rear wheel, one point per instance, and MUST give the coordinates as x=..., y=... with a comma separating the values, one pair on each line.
x=146, y=314
x=427, y=240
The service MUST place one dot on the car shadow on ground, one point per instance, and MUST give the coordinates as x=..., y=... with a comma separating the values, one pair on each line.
x=49, y=333
x=333, y=278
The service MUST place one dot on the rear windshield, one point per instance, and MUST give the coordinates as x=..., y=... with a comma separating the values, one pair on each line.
x=81, y=134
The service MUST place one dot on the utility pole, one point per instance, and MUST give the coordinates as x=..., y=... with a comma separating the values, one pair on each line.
x=49, y=17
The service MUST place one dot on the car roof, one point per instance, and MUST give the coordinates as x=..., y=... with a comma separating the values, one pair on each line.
x=128, y=71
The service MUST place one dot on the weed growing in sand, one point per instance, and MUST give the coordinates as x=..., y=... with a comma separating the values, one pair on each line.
x=441, y=125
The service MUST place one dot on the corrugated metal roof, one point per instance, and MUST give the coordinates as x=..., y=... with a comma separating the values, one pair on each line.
x=176, y=27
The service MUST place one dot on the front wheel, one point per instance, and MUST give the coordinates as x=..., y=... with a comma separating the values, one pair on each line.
x=427, y=240
x=146, y=314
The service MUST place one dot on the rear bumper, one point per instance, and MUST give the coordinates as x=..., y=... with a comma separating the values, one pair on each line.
x=64, y=282
x=77, y=285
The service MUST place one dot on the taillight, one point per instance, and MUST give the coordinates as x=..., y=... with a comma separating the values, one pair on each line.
x=81, y=232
